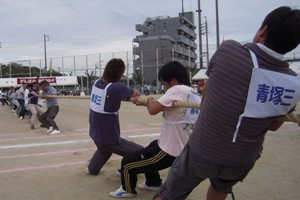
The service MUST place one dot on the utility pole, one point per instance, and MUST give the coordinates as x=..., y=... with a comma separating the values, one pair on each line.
x=206, y=32
x=182, y=7
x=200, y=35
x=217, y=25
x=46, y=38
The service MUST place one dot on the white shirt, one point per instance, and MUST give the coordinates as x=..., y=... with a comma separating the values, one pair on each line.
x=174, y=136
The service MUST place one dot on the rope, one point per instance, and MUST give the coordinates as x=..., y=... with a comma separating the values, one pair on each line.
x=291, y=117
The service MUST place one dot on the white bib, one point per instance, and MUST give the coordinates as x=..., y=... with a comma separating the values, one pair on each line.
x=98, y=97
x=270, y=94
x=191, y=114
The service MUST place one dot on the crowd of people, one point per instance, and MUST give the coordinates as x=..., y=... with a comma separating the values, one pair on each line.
x=26, y=101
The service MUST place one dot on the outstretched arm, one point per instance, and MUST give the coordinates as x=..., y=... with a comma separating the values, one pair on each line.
x=276, y=125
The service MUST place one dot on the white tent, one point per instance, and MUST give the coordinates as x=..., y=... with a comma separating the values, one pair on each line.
x=201, y=75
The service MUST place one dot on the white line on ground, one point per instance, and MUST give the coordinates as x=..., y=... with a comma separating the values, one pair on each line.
x=43, y=144
x=145, y=135
x=66, y=142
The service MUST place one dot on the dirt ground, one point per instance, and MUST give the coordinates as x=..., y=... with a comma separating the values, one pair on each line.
x=37, y=166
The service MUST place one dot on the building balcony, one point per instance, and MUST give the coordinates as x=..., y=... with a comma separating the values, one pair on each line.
x=186, y=41
x=188, y=31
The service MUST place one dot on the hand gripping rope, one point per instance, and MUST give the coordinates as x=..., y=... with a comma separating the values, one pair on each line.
x=291, y=117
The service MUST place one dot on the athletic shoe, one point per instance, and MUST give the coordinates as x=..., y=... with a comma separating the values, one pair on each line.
x=143, y=186
x=87, y=171
x=50, y=129
x=21, y=117
x=55, y=132
x=120, y=193
x=32, y=126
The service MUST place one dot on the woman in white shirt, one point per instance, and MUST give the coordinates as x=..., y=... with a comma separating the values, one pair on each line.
x=175, y=130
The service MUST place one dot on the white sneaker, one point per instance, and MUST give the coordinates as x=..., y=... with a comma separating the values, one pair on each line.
x=120, y=193
x=50, y=129
x=21, y=117
x=55, y=132
x=143, y=186
x=87, y=171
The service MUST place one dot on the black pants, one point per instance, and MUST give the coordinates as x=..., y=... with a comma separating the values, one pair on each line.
x=4, y=101
x=23, y=109
x=47, y=118
x=149, y=161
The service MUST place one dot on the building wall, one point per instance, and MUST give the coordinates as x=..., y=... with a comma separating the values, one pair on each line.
x=165, y=39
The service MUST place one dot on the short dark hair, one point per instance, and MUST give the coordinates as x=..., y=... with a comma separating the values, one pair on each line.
x=174, y=70
x=44, y=83
x=114, y=70
x=283, y=29
x=35, y=84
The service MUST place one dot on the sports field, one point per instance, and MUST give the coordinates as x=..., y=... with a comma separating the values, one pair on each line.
x=37, y=166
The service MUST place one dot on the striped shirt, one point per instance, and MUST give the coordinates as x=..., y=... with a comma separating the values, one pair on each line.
x=229, y=74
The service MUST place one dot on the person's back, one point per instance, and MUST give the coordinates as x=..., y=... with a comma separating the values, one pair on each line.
x=230, y=130
x=105, y=102
x=226, y=102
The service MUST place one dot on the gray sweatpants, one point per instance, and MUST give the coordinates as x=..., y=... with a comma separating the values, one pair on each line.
x=34, y=109
x=189, y=170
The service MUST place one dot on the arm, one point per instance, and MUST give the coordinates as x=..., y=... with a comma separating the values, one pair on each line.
x=276, y=125
x=34, y=94
x=136, y=93
x=203, y=95
x=48, y=96
x=154, y=106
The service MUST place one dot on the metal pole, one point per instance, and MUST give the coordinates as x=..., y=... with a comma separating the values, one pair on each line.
x=86, y=62
x=127, y=70
x=156, y=64
x=62, y=65
x=100, y=66
x=182, y=8
x=190, y=68
x=142, y=66
x=217, y=25
x=51, y=67
x=200, y=36
x=74, y=65
x=29, y=68
x=9, y=70
x=173, y=54
x=40, y=67
x=207, y=50
x=157, y=81
x=81, y=83
x=45, y=51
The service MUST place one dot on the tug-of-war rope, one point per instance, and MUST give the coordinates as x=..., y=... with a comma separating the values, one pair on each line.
x=291, y=117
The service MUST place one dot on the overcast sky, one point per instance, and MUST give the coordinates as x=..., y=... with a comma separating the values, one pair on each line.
x=79, y=27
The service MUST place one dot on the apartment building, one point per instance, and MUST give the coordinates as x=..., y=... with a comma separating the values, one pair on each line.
x=164, y=39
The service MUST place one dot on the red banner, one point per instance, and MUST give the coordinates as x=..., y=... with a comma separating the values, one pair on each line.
x=32, y=80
